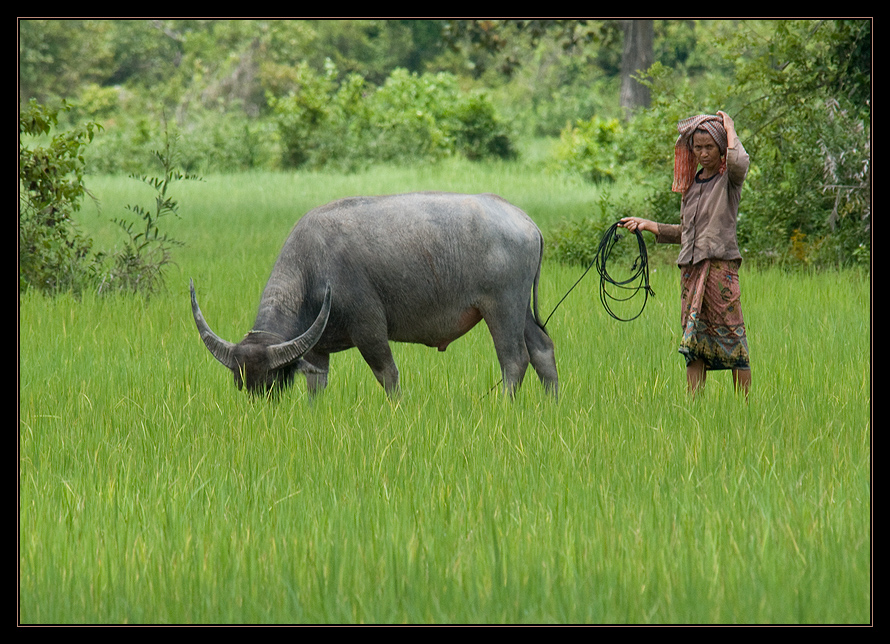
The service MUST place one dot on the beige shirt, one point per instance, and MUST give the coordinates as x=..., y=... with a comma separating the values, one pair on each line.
x=708, y=213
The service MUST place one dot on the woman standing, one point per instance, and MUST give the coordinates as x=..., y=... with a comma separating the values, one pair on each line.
x=713, y=328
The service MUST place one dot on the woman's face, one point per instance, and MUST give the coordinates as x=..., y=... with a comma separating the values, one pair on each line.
x=706, y=152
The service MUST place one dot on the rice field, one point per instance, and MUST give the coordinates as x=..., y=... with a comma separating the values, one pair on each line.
x=151, y=491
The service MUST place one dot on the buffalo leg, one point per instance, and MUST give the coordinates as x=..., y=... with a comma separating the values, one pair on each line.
x=378, y=355
x=511, y=349
x=316, y=372
x=541, y=353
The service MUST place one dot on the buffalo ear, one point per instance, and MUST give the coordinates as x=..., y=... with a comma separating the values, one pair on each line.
x=292, y=350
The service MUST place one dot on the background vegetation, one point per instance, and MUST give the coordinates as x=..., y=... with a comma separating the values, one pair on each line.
x=347, y=95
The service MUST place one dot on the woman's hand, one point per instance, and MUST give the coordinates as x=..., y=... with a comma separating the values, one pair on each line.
x=729, y=126
x=638, y=223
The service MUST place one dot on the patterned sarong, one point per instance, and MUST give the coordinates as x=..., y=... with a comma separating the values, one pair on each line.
x=713, y=327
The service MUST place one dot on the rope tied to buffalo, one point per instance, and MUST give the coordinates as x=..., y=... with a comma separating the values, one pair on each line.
x=627, y=288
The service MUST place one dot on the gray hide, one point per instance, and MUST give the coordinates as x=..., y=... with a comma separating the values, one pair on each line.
x=421, y=268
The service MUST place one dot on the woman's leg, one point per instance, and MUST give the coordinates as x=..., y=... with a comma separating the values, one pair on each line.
x=696, y=374
x=741, y=378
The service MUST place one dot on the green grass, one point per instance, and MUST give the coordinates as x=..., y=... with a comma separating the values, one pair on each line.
x=152, y=491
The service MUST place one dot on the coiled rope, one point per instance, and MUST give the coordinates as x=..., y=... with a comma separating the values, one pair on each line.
x=638, y=280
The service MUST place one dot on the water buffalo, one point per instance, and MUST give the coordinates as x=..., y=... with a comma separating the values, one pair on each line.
x=422, y=268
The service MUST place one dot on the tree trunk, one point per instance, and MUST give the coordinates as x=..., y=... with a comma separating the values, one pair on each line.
x=637, y=56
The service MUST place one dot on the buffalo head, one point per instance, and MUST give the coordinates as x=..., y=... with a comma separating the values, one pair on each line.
x=263, y=361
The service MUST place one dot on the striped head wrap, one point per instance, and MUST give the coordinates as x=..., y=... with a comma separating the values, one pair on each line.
x=684, y=160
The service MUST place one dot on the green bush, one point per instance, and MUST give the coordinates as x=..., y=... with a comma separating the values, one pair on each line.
x=411, y=116
x=230, y=141
x=53, y=255
x=323, y=120
x=479, y=132
x=808, y=198
x=328, y=122
x=591, y=149
x=124, y=146
x=209, y=141
x=303, y=116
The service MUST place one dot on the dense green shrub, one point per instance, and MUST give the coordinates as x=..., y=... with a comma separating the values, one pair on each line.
x=53, y=255
x=410, y=118
x=124, y=146
x=591, y=149
x=224, y=141
x=209, y=141
x=808, y=198
x=324, y=120
x=479, y=131
x=303, y=116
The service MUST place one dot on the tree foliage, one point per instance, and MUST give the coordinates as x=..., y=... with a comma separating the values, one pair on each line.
x=349, y=93
x=799, y=92
x=54, y=256
x=807, y=103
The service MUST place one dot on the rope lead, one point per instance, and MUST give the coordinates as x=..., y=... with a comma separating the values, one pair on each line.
x=639, y=279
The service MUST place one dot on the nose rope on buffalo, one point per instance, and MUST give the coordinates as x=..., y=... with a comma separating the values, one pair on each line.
x=638, y=280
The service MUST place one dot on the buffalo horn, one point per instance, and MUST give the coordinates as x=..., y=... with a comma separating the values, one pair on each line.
x=221, y=349
x=287, y=352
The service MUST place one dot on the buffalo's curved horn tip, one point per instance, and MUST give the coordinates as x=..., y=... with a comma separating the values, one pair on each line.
x=221, y=349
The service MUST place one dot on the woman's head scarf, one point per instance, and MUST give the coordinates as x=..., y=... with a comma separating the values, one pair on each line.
x=684, y=160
